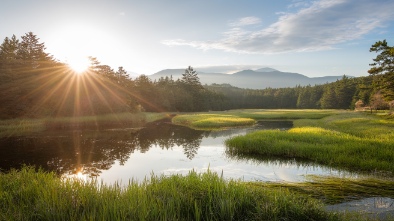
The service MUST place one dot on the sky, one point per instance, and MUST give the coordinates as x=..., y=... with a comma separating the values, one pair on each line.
x=315, y=38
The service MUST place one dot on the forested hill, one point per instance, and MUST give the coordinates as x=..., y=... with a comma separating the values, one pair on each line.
x=252, y=79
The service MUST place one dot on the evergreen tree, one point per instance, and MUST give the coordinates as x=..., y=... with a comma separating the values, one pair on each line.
x=344, y=90
x=8, y=58
x=304, y=98
x=329, y=99
x=191, y=79
x=383, y=69
x=32, y=53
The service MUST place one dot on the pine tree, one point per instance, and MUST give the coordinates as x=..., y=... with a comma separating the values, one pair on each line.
x=32, y=53
x=383, y=69
x=8, y=55
x=329, y=99
x=191, y=78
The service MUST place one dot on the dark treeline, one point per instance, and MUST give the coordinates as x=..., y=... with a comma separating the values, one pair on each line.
x=34, y=84
x=342, y=94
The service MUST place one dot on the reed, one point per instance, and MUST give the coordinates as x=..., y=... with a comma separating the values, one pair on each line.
x=30, y=195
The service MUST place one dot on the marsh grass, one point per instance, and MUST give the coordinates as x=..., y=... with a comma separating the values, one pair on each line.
x=15, y=127
x=235, y=118
x=350, y=140
x=285, y=114
x=359, y=124
x=333, y=190
x=30, y=195
x=211, y=121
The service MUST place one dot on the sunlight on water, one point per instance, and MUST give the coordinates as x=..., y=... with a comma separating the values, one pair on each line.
x=161, y=148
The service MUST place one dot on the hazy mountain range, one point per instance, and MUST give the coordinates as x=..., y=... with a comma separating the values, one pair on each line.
x=253, y=79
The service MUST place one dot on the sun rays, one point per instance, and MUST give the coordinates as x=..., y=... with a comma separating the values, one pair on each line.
x=79, y=65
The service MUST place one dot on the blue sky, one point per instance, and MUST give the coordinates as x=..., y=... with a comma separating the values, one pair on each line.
x=314, y=38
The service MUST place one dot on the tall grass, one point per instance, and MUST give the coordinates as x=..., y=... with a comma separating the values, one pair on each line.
x=333, y=190
x=352, y=141
x=31, y=195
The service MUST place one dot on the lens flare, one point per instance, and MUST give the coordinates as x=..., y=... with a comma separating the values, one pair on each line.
x=79, y=65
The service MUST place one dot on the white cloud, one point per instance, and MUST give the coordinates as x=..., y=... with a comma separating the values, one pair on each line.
x=320, y=26
x=246, y=21
x=299, y=3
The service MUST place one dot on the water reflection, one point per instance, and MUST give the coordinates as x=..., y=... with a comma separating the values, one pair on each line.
x=160, y=148
x=94, y=151
x=166, y=136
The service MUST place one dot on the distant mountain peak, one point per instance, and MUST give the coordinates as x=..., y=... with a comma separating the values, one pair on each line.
x=266, y=69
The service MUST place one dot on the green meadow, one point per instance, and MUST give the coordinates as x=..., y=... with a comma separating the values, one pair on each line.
x=353, y=141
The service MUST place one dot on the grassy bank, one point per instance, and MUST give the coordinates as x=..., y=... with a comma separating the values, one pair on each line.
x=18, y=126
x=31, y=195
x=239, y=118
x=236, y=118
x=211, y=121
x=350, y=140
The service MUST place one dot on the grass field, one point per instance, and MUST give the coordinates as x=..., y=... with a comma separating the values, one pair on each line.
x=31, y=195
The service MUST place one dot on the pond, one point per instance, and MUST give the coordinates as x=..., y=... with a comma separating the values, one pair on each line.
x=159, y=148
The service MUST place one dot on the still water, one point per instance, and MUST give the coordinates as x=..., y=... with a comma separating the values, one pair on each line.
x=160, y=148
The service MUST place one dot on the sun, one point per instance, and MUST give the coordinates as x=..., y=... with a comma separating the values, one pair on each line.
x=79, y=65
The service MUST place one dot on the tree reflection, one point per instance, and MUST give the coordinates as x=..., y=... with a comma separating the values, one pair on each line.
x=167, y=136
x=94, y=151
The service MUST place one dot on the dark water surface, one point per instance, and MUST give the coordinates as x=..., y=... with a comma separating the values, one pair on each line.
x=159, y=148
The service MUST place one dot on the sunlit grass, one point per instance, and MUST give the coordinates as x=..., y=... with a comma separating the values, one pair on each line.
x=211, y=121
x=25, y=126
x=352, y=141
x=285, y=114
x=31, y=195
x=234, y=118
x=355, y=123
